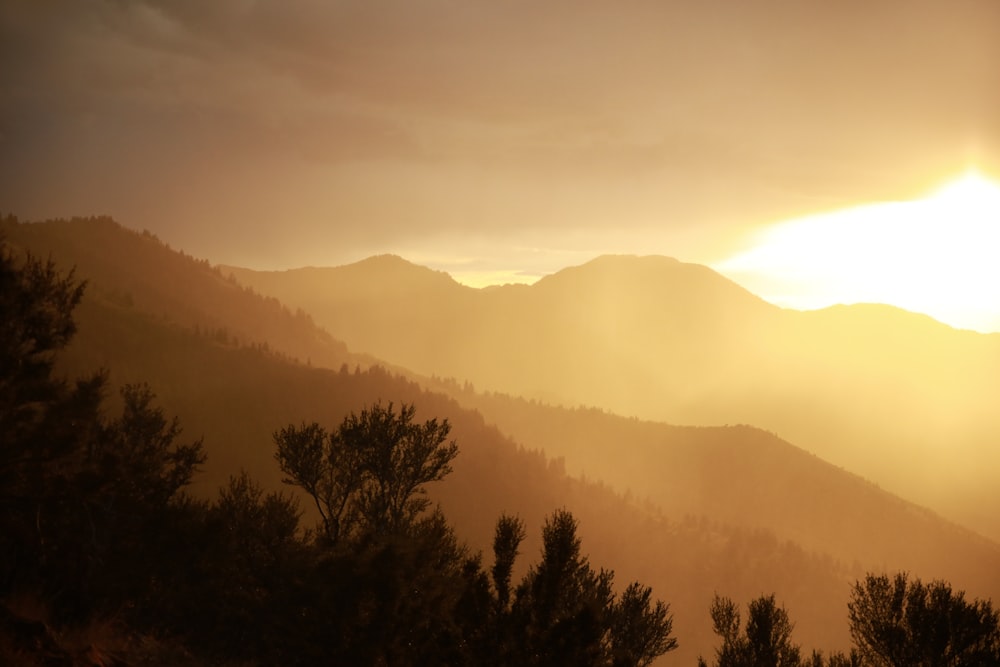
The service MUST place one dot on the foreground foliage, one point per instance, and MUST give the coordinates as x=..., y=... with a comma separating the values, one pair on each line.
x=84, y=498
x=368, y=475
x=95, y=525
x=895, y=622
x=104, y=559
x=424, y=596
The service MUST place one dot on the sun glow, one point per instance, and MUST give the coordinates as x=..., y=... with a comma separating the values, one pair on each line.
x=938, y=255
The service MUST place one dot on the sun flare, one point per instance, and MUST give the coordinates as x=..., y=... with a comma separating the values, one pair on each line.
x=936, y=255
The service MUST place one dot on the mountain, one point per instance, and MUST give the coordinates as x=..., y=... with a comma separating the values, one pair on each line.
x=743, y=476
x=137, y=271
x=897, y=397
x=740, y=511
x=236, y=397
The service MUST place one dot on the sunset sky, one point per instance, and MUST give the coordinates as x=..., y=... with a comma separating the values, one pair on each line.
x=935, y=254
x=505, y=139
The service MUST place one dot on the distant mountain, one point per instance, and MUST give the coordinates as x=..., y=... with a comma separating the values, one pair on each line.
x=743, y=476
x=729, y=510
x=235, y=397
x=137, y=271
x=896, y=397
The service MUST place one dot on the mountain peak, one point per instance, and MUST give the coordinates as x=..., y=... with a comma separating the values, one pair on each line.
x=387, y=260
x=389, y=269
x=657, y=275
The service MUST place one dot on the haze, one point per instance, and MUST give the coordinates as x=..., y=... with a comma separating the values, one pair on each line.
x=777, y=505
x=936, y=255
x=755, y=349
x=510, y=137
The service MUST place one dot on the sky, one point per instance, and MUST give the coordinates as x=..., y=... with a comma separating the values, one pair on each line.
x=503, y=138
x=935, y=254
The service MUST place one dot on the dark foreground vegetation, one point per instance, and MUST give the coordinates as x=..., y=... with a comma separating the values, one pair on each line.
x=104, y=559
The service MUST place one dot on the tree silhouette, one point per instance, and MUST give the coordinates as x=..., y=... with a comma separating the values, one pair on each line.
x=506, y=541
x=369, y=475
x=639, y=628
x=764, y=642
x=896, y=622
x=84, y=499
x=330, y=474
x=138, y=457
x=563, y=600
x=44, y=421
x=567, y=613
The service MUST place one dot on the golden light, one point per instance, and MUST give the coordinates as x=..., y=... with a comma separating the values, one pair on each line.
x=938, y=255
x=491, y=278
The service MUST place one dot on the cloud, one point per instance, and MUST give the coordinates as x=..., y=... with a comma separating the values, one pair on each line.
x=397, y=120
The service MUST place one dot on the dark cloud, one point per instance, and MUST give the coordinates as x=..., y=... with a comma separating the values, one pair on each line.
x=374, y=122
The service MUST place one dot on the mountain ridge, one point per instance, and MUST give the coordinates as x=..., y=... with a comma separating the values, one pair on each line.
x=236, y=392
x=668, y=341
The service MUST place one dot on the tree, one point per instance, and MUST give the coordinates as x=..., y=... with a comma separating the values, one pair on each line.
x=764, y=642
x=82, y=499
x=137, y=457
x=563, y=601
x=506, y=541
x=896, y=622
x=369, y=475
x=834, y=659
x=260, y=529
x=127, y=495
x=397, y=458
x=568, y=612
x=640, y=628
x=390, y=577
x=238, y=594
x=43, y=419
x=45, y=423
x=331, y=475
x=37, y=303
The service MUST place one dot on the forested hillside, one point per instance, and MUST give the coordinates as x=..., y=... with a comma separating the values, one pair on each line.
x=748, y=477
x=690, y=536
x=896, y=397
x=138, y=272
x=235, y=398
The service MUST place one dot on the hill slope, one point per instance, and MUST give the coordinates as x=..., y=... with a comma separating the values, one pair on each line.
x=896, y=397
x=743, y=476
x=235, y=397
x=137, y=271
x=688, y=545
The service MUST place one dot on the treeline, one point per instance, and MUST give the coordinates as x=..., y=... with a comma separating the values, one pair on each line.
x=895, y=622
x=104, y=559
x=136, y=271
x=96, y=529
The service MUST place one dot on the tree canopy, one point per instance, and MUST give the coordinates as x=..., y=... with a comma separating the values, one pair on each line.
x=369, y=474
x=566, y=613
x=897, y=621
x=764, y=640
x=83, y=496
x=95, y=524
